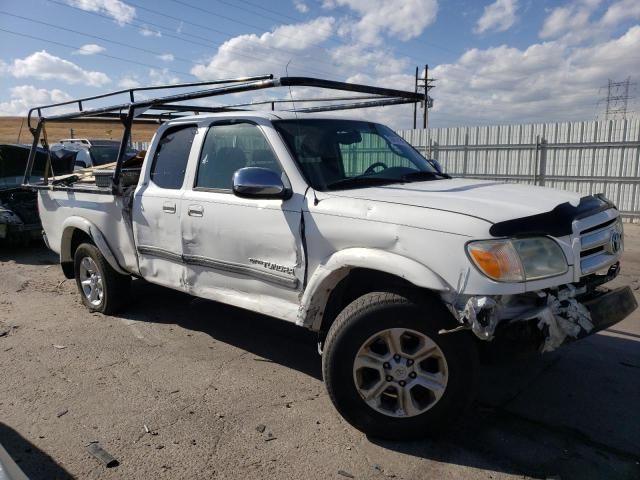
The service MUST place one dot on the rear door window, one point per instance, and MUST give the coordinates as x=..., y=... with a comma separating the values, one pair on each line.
x=171, y=157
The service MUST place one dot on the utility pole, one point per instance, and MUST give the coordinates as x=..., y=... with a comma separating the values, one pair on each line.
x=415, y=105
x=425, y=83
x=425, y=116
x=617, y=100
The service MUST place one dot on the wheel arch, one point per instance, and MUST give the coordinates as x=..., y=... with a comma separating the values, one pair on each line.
x=353, y=272
x=77, y=230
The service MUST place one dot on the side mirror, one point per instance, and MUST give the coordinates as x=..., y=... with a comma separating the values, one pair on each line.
x=257, y=182
x=435, y=164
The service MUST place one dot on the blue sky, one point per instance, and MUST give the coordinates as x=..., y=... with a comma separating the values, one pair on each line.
x=495, y=61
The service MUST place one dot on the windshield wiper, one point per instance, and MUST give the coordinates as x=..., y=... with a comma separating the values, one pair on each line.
x=424, y=175
x=361, y=180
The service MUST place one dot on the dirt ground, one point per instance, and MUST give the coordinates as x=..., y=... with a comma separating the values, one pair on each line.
x=15, y=130
x=228, y=394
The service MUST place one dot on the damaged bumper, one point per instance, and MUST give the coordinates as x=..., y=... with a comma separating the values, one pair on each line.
x=611, y=307
x=546, y=319
x=19, y=230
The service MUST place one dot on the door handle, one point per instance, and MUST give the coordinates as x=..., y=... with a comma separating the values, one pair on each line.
x=169, y=207
x=195, y=210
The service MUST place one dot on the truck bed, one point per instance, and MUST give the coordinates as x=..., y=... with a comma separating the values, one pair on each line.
x=85, y=202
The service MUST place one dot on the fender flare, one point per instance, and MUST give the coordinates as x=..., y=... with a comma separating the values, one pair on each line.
x=84, y=225
x=338, y=266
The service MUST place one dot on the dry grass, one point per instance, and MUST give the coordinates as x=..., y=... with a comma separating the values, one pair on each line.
x=10, y=130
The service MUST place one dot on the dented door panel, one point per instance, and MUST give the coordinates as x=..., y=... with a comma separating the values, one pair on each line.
x=245, y=245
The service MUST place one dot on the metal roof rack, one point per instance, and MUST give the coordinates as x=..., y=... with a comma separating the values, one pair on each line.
x=163, y=108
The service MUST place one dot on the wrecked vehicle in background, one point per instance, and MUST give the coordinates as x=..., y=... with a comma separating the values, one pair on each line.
x=341, y=227
x=19, y=221
x=92, y=153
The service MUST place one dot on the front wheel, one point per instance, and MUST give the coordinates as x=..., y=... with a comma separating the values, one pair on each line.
x=391, y=374
x=102, y=288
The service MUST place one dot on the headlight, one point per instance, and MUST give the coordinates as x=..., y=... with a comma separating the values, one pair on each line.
x=518, y=260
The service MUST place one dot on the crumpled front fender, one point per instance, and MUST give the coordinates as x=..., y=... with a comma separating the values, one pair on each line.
x=337, y=266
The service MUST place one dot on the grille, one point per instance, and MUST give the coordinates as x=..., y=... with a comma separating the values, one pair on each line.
x=600, y=246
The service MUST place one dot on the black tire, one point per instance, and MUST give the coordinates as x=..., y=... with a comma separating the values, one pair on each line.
x=115, y=286
x=373, y=313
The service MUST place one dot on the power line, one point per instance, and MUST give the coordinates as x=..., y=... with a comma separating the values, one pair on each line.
x=89, y=35
x=75, y=47
x=289, y=17
x=215, y=14
x=164, y=31
x=268, y=10
x=206, y=27
x=274, y=17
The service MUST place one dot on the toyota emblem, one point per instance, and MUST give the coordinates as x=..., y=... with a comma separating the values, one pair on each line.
x=615, y=242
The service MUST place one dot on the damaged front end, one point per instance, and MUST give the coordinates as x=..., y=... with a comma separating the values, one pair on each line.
x=546, y=319
x=19, y=219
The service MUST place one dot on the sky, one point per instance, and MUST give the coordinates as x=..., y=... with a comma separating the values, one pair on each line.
x=494, y=62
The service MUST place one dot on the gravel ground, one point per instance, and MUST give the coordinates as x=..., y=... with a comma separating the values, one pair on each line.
x=178, y=387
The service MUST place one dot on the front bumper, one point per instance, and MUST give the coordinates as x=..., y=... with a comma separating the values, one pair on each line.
x=610, y=308
x=543, y=321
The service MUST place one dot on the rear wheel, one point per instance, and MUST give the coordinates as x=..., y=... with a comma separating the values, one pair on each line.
x=101, y=288
x=388, y=371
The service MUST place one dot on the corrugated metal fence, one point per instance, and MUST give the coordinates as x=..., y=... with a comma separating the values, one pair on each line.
x=586, y=157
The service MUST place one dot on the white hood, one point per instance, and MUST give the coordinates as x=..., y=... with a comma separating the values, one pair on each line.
x=492, y=201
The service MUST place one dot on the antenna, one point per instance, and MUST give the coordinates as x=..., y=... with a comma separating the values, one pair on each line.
x=293, y=103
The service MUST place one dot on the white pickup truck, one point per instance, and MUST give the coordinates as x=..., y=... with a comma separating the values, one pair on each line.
x=342, y=227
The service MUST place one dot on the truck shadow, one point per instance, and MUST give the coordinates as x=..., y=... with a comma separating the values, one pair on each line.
x=272, y=339
x=572, y=413
x=35, y=253
x=35, y=463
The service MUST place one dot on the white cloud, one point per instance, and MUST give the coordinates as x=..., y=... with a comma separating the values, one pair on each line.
x=576, y=22
x=270, y=51
x=148, y=32
x=360, y=58
x=300, y=6
x=544, y=82
x=154, y=76
x=166, y=57
x=119, y=11
x=24, y=97
x=89, y=49
x=499, y=16
x=621, y=11
x=403, y=19
x=162, y=76
x=44, y=66
x=568, y=19
x=128, y=82
x=3, y=67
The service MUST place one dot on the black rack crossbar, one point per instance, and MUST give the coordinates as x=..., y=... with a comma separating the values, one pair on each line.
x=131, y=91
x=170, y=107
x=352, y=106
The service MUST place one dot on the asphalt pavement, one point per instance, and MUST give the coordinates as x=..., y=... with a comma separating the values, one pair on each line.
x=178, y=387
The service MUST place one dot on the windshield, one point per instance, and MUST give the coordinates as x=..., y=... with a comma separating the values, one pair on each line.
x=337, y=154
x=13, y=163
x=101, y=155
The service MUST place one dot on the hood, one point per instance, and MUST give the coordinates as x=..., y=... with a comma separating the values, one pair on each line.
x=491, y=201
